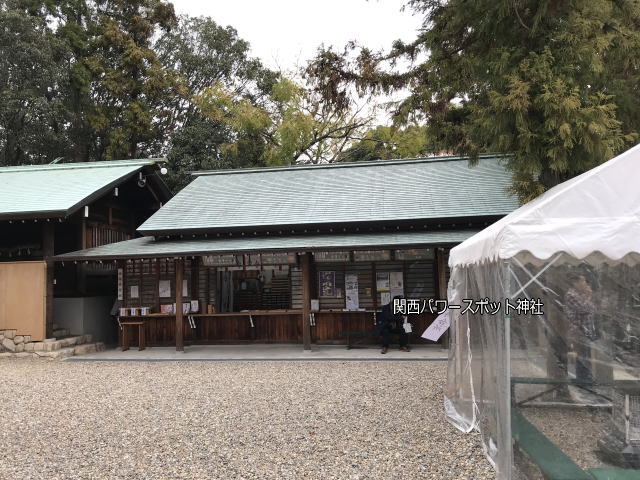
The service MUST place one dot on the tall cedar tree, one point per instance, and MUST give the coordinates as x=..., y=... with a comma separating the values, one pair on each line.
x=551, y=83
x=32, y=81
x=203, y=53
x=129, y=82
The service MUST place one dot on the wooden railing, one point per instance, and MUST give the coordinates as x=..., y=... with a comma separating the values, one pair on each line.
x=98, y=235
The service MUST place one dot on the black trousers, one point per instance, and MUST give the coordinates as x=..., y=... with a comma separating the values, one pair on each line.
x=583, y=362
x=584, y=368
x=402, y=336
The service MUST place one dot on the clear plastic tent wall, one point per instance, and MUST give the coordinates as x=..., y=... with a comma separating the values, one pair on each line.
x=544, y=359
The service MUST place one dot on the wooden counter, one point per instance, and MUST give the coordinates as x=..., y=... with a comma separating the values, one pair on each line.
x=260, y=326
x=267, y=326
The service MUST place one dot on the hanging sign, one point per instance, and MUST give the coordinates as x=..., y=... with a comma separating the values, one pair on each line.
x=327, y=284
x=438, y=327
x=120, y=284
x=371, y=255
x=220, y=260
x=415, y=254
x=331, y=256
x=277, y=258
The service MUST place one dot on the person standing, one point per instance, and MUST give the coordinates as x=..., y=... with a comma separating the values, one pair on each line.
x=389, y=324
x=580, y=309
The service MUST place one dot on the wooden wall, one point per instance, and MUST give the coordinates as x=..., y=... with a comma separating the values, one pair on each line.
x=329, y=325
x=146, y=275
x=420, y=281
x=23, y=298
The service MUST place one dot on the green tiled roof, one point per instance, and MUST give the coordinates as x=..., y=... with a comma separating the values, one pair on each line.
x=397, y=190
x=57, y=190
x=147, y=247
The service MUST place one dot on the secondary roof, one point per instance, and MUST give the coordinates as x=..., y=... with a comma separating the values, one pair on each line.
x=58, y=190
x=148, y=247
x=348, y=193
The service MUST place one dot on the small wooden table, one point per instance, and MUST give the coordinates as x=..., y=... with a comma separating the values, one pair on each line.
x=125, y=333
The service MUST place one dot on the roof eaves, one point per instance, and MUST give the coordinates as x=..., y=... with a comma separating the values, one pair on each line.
x=83, y=165
x=42, y=214
x=101, y=191
x=186, y=247
x=374, y=163
x=393, y=222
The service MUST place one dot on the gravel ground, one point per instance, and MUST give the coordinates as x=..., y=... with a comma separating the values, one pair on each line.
x=575, y=431
x=250, y=420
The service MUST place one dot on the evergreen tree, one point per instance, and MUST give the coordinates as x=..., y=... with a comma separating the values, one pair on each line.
x=552, y=84
x=32, y=81
x=128, y=81
x=294, y=125
x=385, y=143
x=202, y=54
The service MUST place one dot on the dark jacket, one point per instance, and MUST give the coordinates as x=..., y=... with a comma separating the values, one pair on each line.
x=386, y=319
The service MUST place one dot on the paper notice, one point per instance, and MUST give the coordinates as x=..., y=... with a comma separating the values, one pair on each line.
x=385, y=298
x=164, y=288
x=351, y=291
x=438, y=327
x=382, y=281
x=396, y=282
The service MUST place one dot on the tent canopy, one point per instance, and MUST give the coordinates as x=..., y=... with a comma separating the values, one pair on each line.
x=599, y=208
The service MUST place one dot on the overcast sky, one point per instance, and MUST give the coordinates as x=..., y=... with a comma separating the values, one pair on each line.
x=284, y=33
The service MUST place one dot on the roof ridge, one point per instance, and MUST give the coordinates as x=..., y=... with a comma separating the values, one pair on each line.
x=373, y=163
x=82, y=165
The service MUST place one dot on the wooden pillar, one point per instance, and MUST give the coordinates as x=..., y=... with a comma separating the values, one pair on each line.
x=441, y=273
x=179, y=267
x=48, y=237
x=305, y=263
x=195, y=281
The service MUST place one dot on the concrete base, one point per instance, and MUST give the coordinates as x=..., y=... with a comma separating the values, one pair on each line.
x=265, y=353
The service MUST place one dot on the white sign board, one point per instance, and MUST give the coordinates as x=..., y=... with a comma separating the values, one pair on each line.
x=396, y=282
x=351, y=291
x=120, y=284
x=438, y=327
x=385, y=298
x=382, y=281
x=164, y=288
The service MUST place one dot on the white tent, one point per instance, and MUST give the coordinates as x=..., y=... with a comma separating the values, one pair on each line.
x=596, y=211
x=528, y=379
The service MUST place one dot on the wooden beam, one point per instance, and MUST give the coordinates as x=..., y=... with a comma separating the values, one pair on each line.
x=305, y=263
x=441, y=273
x=48, y=238
x=179, y=267
x=156, y=294
x=195, y=281
x=81, y=270
x=125, y=285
